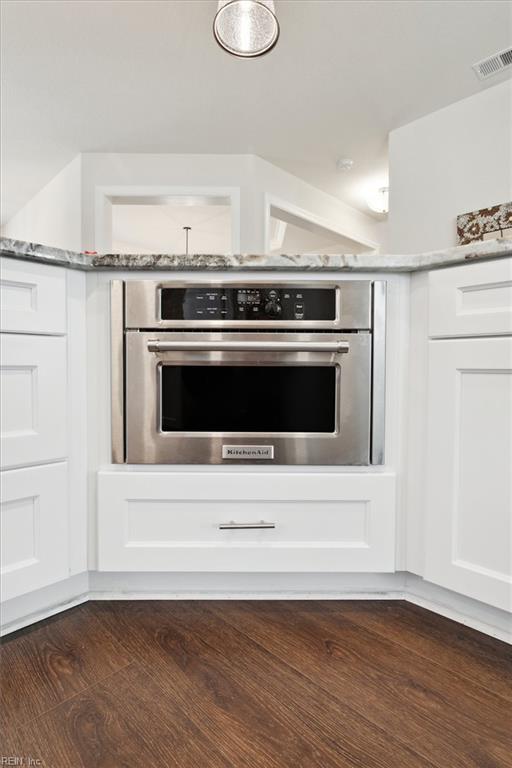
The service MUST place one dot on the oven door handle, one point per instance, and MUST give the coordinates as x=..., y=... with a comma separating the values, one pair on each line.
x=331, y=347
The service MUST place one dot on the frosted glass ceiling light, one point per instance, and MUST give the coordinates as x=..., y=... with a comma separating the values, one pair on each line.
x=378, y=201
x=246, y=28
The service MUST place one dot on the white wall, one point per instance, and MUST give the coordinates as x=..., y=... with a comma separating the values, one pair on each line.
x=53, y=216
x=73, y=211
x=279, y=188
x=251, y=178
x=456, y=160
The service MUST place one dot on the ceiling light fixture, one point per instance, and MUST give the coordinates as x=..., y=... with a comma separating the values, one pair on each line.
x=246, y=28
x=344, y=164
x=187, y=230
x=378, y=201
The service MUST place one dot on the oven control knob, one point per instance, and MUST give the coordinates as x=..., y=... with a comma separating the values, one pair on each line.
x=272, y=308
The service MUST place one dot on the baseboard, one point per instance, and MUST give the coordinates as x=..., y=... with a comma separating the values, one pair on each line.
x=104, y=585
x=39, y=605
x=43, y=603
x=465, y=610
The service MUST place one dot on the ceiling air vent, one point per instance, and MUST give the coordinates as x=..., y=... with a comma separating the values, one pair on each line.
x=493, y=64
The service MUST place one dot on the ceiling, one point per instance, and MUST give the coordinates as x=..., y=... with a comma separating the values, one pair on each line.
x=130, y=76
x=159, y=228
x=298, y=240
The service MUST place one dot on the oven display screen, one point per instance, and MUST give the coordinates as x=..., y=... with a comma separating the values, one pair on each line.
x=248, y=303
x=249, y=297
x=237, y=398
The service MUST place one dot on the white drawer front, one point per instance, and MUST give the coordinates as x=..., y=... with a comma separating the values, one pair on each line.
x=32, y=297
x=34, y=527
x=472, y=300
x=33, y=399
x=152, y=521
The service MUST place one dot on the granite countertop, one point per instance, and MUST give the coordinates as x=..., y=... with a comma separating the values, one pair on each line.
x=489, y=249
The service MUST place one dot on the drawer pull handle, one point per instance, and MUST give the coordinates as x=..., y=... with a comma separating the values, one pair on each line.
x=232, y=526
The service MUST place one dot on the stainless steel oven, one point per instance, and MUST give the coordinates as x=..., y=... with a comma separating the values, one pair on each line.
x=248, y=372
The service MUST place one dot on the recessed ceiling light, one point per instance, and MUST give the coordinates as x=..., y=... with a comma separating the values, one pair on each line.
x=344, y=164
x=246, y=28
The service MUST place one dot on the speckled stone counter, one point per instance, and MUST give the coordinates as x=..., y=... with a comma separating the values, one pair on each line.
x=19, y=249
x=490, y=249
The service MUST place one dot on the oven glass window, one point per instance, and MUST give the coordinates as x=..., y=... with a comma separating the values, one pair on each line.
x=248, y=398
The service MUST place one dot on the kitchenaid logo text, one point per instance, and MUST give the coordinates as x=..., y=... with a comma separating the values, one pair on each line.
x=247, y=451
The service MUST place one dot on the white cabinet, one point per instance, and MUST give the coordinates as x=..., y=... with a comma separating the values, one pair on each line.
x=32, y=297
x=471, y=300
x=169, y=521
x=42, y=426
x=469, y=468
x=34, y=528
x=33, y=379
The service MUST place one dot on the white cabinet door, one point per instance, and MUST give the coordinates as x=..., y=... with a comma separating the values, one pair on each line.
x=33, y=297
x=34, y=527
x=170, y=521
x=469, y=468
x=471, y=300
x=33, y=379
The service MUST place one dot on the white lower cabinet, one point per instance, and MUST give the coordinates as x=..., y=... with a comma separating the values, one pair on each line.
x=33, y=377
x=471, y=300
x=34, y=528
x=469, y=468
x=170, y=521
x=32, y=297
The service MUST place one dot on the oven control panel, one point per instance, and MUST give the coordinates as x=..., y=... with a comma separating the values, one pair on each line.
x=248, y=303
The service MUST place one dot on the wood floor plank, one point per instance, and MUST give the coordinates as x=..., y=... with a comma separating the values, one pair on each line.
x=387, y=693
x=43, y=666
x=252, y=729
x=352, y=736
x=472, y=704
x=255, y=685
x=468, y=639
x=470, y=654
x=127, y=721
x=9, y=733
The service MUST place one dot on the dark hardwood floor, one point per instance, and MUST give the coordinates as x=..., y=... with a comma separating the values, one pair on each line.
x=352, y=684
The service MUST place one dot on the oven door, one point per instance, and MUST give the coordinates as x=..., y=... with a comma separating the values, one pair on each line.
x=237, y=398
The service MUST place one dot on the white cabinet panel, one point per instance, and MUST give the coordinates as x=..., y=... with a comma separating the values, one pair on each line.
x=32, y=297
x=469, y=481
x=33, y=399
x=34, y=528
x=155, y=521
x=174, y=522
x=473, y=300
